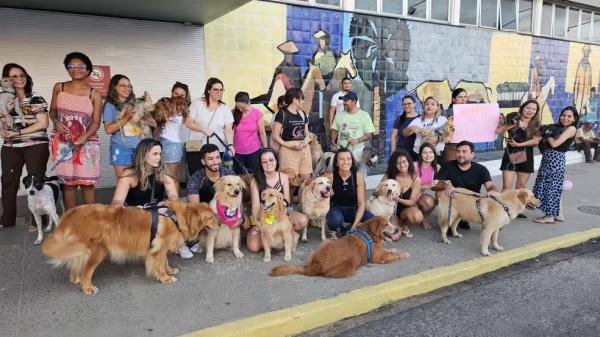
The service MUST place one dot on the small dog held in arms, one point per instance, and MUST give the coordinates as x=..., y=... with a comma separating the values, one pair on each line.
x=142, y=108
x=43, y=194
x=7, y=93
x=343, y=257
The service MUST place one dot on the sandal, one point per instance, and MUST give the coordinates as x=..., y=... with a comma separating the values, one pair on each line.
x=559, y=219
x=407, y=234
x=543, y=220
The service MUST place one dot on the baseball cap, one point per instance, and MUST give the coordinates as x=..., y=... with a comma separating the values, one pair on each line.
x=351, y=95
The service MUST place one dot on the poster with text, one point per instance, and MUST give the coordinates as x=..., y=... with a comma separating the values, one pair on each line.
x=476, y=123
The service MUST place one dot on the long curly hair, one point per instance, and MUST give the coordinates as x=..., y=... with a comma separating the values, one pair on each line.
x=112, y=96
x=392, y=169
x=535, y=122
x=141, y=170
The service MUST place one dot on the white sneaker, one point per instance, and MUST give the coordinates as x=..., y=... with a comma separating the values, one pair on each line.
x=195, y=248
x=184, y=252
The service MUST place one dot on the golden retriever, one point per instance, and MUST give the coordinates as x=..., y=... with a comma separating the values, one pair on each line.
x=315, y=197
x=90, y=232
x=492, y=215
x=341, y=258
x=228, y=207
x=383, y=201
x=276, y=230
x=316, y=150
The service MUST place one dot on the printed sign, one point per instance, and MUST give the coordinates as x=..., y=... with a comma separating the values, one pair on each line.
x=99, y=79
x=475, y=122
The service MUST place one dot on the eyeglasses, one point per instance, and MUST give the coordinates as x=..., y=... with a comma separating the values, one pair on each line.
x=218, y=90
x=22, y=76
x=128, y=86
x=76, y=66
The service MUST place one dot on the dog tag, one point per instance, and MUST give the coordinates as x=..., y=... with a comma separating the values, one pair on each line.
x=270, y=219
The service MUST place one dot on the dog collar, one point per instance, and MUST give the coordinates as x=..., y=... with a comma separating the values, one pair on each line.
x=229, y=216
x=364, y=235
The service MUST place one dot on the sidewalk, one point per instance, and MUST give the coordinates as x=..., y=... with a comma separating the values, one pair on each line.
x=36, y=300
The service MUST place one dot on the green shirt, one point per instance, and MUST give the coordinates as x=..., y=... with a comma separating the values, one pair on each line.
x=352, y=125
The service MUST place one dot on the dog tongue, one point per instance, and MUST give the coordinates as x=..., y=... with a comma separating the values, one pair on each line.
x=391, y=198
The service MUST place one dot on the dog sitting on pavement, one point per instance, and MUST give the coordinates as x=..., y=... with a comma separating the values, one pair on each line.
x=43, y=194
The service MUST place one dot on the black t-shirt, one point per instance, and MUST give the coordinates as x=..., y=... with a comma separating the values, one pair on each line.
x=471, y=179
x=292, y=124
x=405, y=143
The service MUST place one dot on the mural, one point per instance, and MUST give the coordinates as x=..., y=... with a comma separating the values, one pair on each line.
x=387, y=58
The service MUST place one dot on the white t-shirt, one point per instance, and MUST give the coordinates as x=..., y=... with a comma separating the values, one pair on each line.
x=339, y=103
x=429, y=124
x=172, y=129
x=215, y=121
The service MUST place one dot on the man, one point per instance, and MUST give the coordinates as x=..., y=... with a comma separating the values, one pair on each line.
x=337, y=105
x=586, y=140
x=465, y=173
x=200, y=186
x=352, y=128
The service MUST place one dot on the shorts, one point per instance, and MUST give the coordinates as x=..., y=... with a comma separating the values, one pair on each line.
x=120, y=155
x=297, y=161
x=172, y=152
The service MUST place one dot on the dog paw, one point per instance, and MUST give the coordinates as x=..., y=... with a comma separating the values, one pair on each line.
x=304, y=239
x=498, y=248
x=392, y=251
x=457, y=235
x=267, y=259
x=238, y=254
x=287, y=257
x=403, y=255
x=37, y=241
x=173, y=271
x=91, y=290
x=210, y=259
x=446, y=241
x=48, y=229
x=168, y=280
x=486, y=253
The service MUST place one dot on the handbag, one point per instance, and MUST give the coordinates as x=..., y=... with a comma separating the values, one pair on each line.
x=517, y=157
x=195, y=145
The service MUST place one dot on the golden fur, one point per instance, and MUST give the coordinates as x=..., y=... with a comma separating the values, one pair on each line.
x=341, y=258
x=294, y=179
x=276, y=230
x=90, y=232
x=315, y=197
x=383, y=200
x=494, y=215
x=166, y=108
x=316, y=150
x=228, y=190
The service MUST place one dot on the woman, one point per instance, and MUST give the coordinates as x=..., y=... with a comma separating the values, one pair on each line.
x=426, y=168
x=214, y=116
x=428, y=128
x=347, y=204
x=551, y=174
x=522, y=137
x=398, y=141
x=248, y=133
x=125, y=135
x=290, y=132
x=75, y=112
x=267, y=175
x=25, y=139
x=459, y=96
x=401, y=168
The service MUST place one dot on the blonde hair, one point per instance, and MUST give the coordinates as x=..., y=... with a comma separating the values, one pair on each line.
x=142, y=171
x=437, y=113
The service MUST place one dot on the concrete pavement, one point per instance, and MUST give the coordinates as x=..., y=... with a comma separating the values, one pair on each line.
x=37, y=300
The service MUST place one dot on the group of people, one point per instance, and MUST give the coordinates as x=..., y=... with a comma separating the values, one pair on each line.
x=147, y=166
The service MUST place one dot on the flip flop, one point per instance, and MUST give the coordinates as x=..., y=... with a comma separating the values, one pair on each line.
x=559, y=219
x=541, y=220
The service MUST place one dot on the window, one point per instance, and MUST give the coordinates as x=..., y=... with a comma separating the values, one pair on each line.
x=596, y=35
x=468, y=12
x=546, y=26
x=586, y=26
x=488, y=13
x=329, y=2
x=525, y=16
x=417, y=8
x=369, y=5
x=508, y=14
x=393, y=6
x=560, y=19
x=573, y=24
x=439, y=10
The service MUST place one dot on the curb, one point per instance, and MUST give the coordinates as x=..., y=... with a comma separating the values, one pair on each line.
x=312, y=315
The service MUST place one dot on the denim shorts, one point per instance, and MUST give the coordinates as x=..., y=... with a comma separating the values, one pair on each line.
x=171, y=152
x=120, y=155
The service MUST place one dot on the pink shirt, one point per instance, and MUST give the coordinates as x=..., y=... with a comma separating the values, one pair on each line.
x=245, y=134
x=426, y=174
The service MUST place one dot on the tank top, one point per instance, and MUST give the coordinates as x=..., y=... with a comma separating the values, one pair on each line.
x=425, y=173
x=278, y=185
x=564, y=147
x=344, y=191
x=137, y=197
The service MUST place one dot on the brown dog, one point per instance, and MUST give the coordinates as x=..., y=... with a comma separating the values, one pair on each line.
x=90, y=232
x=316, y=150
x=495, y=211
x=341, y=258
x=166, y=108
x=276, y=230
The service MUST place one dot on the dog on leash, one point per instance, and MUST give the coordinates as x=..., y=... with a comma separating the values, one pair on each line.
x=43, y=194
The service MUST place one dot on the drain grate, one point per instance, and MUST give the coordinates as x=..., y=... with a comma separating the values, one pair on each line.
x=590, y=209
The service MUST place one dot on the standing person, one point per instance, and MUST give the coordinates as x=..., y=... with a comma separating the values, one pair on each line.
x=290, y=132
x=551, y=174
x=465, y=173
x=280, y=107
x=337, y=104
x=586, y=140
x=25, y=140
x=248, y=133
x=427, y=127
x=117, y=115
x=215, y=116
x=459, y=96
x=267, y=175
x=76, y=110
x=523, y=136
x=348, y=199
x=352, y=128
x=427, y=168
x=398, y=141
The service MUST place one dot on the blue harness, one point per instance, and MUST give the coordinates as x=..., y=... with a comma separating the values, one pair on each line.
x=364, y=235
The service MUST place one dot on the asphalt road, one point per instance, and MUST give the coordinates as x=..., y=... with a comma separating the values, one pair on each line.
x=555, y=295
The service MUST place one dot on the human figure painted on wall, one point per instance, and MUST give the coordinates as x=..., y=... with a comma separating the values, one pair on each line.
x=590, y=108
x=535, y=84
x=323, y=56
x=583, y=79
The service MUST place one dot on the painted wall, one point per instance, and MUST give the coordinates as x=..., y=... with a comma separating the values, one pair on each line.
x=265, y=48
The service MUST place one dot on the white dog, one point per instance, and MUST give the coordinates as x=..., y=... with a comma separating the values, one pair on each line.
x=43, y=194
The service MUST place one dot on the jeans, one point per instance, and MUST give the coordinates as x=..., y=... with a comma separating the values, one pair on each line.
x=337, y=215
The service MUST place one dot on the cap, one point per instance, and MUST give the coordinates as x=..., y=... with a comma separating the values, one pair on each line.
x=351, y=95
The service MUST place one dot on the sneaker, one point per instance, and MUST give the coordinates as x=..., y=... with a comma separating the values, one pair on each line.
x=184, y=252
x=464, y=225
x=195, y=247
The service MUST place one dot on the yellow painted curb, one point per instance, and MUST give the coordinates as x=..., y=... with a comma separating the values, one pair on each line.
x=308, y=316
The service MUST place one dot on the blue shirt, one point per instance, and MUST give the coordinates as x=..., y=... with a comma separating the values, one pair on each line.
x=129, y=135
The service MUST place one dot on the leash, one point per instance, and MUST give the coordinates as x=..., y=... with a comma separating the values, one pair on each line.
x=364, y=235
x=477, y=205
x=237, y=161
x=67, y=156
x=155, y=211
